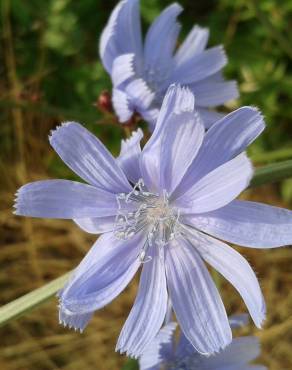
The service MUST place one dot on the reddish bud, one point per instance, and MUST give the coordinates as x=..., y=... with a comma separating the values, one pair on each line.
x=104, y=102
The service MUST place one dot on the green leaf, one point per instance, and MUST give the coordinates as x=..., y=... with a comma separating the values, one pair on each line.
x=11, y=311
x=26, y=303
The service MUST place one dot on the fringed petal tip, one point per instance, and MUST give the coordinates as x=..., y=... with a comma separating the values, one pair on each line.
x=220, y=347
x=260, y=320
x=128, y=353
x=253, y=109
x=176, y=7
x=15, y=204
x=18, y=201
x=180, y=99
x=222, y=52
x=123, y=68
x=140, y=93
x=216, y=349
x=136, y=137
x=122, y=105
x=16, y=211
x=255, y=116
x=60, y=127
x=78, y=322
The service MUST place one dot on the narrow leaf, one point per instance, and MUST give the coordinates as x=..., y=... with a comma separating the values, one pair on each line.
x=272, y=156
x=26, y=303
x=272, y=173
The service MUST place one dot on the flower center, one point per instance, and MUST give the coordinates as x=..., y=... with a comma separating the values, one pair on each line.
x=142, y=210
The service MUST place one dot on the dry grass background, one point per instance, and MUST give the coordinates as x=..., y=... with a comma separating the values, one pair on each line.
x=35, y=251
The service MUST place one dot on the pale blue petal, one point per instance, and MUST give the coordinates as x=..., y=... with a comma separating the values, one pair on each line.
x=77, y=322
x=123, y=69
x=102, y=275
x=236, y=270
x=177, y=125
x=239, y=353
x=229, y=137
x=185, y=348
x=129, y=158
x=247, y=367
x=97, y=225
x=195, y=43
x=161, y=39
x=160, y=349
x=202, y=65
x=122, y=105
x=235, y=356
x=107, y=46
x=122, y=34
x=196, y=301
x=177, y=100
x=210, y=117
x=217, y=77
x=248, y=224
x=63, y=199
x=140, y=95
x=225, y=140
x=180, y=142
x=209, y=93
x=155, y=367
x=150, y=116
x=88, y=157
x=149, y=309
x=219, y=187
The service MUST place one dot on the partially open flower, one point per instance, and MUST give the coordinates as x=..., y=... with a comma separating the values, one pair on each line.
x=142, y=72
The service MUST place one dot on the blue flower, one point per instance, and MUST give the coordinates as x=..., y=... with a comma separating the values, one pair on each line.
x=141, y=73
x=164, y=353
x=160, y=208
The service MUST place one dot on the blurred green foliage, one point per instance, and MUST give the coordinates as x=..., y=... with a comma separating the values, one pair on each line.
x=60, y=39
x=131, y=365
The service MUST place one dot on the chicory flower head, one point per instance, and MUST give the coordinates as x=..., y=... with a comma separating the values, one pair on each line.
x=162, y=208
x=141, y=73
x=167, y=354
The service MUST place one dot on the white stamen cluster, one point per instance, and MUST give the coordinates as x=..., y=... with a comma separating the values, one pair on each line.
x=142, y=210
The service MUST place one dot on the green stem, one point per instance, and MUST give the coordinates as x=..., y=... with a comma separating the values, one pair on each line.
x=275, y=155
x=26, y=303
x=272, y=173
